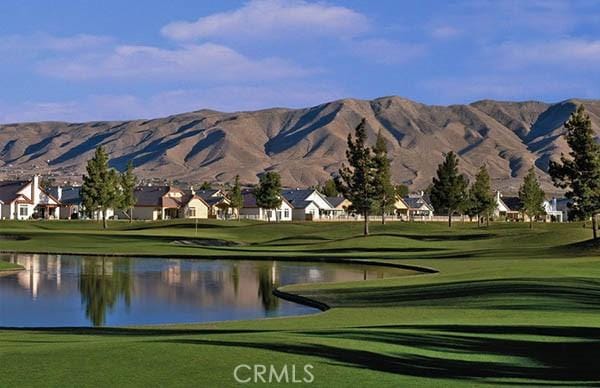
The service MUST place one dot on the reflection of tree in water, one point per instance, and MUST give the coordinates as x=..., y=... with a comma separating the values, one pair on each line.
x=235, y=278
x=101, y=283
x=267, y=282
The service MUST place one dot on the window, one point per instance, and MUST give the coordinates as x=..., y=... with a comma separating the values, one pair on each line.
x=286, y=213
x=23, y=211
x=192, y=212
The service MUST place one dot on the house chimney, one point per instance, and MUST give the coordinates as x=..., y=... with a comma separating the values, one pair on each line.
x=59, y=193
x=35, y=188
x=192, y=190
x=554, y=204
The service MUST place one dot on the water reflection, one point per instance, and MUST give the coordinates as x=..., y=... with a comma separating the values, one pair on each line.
x=101, y=285
x=65, y=290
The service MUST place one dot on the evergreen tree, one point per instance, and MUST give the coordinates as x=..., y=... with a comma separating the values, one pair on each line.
x=235, y=196
x=401, y=191
x=268, y=192
x=385, y=190
x=449, y=189
x=532, y=197
x=329, y=188
x=481, y=196
x=356, y=181
x=205, y=186
x=580, y=172
x=100, y=190
x=128, y=183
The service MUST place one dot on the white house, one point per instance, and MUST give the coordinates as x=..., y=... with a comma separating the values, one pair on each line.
x=419, y=209
x=71, y=204
x=556, y=210
x=250, y=210
x=309, y=205
x=22, y=200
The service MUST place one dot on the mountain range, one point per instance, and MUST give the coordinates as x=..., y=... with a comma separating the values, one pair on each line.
x=306, y=146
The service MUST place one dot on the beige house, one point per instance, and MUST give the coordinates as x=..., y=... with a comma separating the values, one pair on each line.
x=166, y=202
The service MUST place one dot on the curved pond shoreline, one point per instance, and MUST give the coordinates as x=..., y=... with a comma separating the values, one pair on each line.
x=375, y=269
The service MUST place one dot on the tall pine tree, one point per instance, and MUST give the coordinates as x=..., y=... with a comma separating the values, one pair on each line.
x=532, y=197
x=481, y=196
x=385, y=190
x=100, y=190
x=449, y=189
x=580, y=171
x=128, y=183
x=356, y=180
x=235, y=196
x=268, y=192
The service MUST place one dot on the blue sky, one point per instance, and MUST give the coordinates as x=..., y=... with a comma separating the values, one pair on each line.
x=98, y=60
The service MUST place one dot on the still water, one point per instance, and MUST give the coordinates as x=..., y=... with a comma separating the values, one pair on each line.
x=66, y=290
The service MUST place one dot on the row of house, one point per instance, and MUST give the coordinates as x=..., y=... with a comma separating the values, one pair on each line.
x=21, y=200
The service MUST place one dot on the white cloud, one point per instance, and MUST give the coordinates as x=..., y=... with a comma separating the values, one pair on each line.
x=40, y=42
x=272, y=19
x=573, y=53
x=207, y=62
x=387, y=52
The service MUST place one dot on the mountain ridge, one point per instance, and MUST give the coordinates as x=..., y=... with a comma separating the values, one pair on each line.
x=306, y=145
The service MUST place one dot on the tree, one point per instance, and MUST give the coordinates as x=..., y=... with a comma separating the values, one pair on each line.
x=580, y=171
x=401, y=191
x=329, y=188
x=205, y=186
x=100, y=190
x=385, y=190
x=235, y=196
x=532, y=197
x=481, y=196
x=356, y=181
x=449, y=189
x=268, y=192
x=128, y=183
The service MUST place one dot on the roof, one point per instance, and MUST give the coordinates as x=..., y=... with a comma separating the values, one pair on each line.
x=71, y=195
x=205, y=194
x=336, y=201
x=9, y=190
x=152, y=196
x=297, y=197
x=416, y=203
x=250, y=199
x=513, y=203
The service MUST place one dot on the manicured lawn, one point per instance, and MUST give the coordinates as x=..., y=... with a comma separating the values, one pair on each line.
x=4, y=266
x=508, y=306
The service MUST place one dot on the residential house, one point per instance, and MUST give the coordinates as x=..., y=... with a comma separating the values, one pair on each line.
x=71, y=204
x=554, y=211
x=401, y=209
x=508, y=208
x=219, y=205
x=419, y=208
x=340, y=206
x=309, y=205
x=166, y=202
x=251, y=210
x=22, y=200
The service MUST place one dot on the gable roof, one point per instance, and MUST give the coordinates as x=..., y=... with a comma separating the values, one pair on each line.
x=153, y=196
x=250, y=200
x=297, y=197
x=417, y=203
x=336, y=201
x=9, y=191
x=513, y=203
x=70, y=195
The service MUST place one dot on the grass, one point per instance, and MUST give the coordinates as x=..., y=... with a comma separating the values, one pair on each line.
x=508, y=306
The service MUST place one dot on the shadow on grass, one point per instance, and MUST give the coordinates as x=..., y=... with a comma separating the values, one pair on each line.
x=440, y=237
x=567, y=360
x=550, y=294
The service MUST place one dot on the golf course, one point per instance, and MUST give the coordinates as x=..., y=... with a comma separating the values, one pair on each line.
x=498, y=305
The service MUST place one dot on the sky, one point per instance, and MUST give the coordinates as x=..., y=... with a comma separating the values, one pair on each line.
x=113, y=59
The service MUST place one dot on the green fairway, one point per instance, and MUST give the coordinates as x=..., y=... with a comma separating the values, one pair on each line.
x=508, y=305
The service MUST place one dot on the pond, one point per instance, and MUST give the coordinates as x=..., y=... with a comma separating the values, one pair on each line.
x=68, y=290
